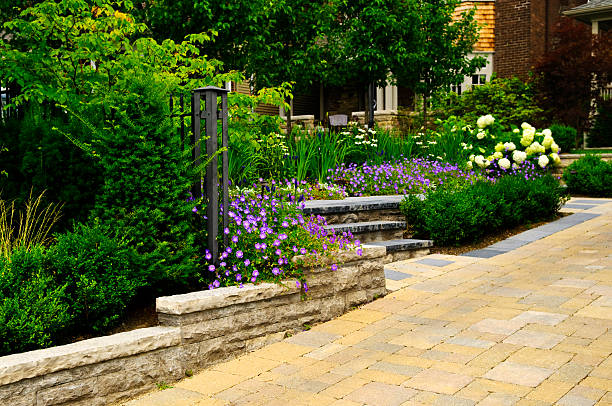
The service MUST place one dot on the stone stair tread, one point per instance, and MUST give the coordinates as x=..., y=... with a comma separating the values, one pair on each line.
x=403, y=244
x=351, y=204
x=367, y=226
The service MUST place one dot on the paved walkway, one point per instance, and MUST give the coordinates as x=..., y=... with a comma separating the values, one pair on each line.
x=532, y=326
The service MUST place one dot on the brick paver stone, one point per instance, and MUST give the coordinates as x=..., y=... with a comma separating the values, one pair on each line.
x=519, y=374
x=437, y=381
x=534, y=339
x=381, y=394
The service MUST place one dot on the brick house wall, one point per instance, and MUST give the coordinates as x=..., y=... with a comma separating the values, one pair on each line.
x=523, y=32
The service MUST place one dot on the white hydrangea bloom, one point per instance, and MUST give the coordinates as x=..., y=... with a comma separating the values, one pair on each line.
x=469, y=165
x=547, y=133
x=480, y=160
x=516, y=131
x=554, y=148
x=547, y=141
x=481, y=135
x=498, y=155
x=504, y=163
x=509, y=146
x=472, y=158
x=529, y=132
x=485, y=121
x=524, y=126
x=519, y=156
x=499, y=147
x=525, y=141
x=555, y=158
x=543, y=161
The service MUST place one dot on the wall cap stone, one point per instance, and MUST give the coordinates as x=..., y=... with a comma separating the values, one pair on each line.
x=16, y=367
x=222, y=297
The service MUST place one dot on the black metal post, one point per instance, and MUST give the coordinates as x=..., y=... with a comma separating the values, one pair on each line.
x=210, y=114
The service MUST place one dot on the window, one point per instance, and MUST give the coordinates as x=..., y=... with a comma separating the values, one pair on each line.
x=456, y=88
x=478, y=80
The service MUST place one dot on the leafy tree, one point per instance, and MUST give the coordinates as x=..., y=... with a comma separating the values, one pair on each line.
x=444, y=42
x=231, y=23
x=570, y=75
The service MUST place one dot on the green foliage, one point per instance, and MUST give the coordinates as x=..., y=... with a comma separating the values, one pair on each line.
x=40, y=159
x=443, y=44
x=370, y=39
x=600, y=134
x=565, y=136
x=146, y=180
x=452, y=217
x=101, y=274
x=510, y=101
x=80, y=285
x=590, y=176
x=450, y=141
x=34, y=308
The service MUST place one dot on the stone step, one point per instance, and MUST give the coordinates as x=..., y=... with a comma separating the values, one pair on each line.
x=369, y=231
x=406, y=248
x=357, y=209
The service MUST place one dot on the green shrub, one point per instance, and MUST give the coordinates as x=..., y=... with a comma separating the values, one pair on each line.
x=102, y=275
x=39, y=159
x=590, y=176
x=510, y=101
x=600, y=134
x=81, y=285
x=565, y=136
x=453, y=217
x=34, y=309
x=146, y=184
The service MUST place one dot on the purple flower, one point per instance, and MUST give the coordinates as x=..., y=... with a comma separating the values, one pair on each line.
x=235, y=239
x=303, y=251
x=208, y=256
x=211, y=268
x=239, y=254
x=238, y=277
x=275, y=271
x=256, y=273
x=334, y=267
x=247, y=262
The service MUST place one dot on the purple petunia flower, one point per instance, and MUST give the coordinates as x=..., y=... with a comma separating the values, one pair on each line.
x=239, y=254
x=211, y=268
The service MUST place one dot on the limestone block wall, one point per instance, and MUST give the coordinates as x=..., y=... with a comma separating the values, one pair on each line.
x=387, y=119
x=196, y=330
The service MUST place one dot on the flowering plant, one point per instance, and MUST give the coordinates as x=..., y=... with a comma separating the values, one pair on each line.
x=264, y=234
x=402, y=176
x=500, y=150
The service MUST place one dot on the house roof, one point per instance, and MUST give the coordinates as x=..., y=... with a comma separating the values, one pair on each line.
x=591, y=11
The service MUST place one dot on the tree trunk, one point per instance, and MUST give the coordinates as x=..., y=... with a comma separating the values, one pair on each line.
x=289, y=117
x=425, y=97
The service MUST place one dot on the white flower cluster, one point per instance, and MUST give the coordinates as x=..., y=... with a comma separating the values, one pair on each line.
x=485, y=121
x=536, y=144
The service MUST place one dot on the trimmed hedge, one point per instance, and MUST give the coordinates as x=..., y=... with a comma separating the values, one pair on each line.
x=466, y=215
x=81, y=285
x=590, y=176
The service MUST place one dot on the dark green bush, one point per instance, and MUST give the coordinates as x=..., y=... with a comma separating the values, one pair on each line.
x=34, y=308
x=565, y=136
x=146, y=184
x=39, y=158
x=510, y=101
x=102, y=275
x=600, y=134
x=81, y=285
x=453, y=217
x=590, y=176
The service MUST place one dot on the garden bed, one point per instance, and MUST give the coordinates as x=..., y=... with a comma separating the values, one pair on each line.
x=196, y=330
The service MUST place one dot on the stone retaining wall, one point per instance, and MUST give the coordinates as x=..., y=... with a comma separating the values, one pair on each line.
x=196, y=330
